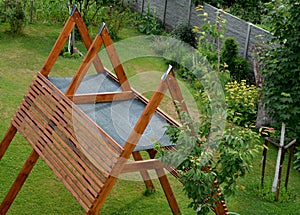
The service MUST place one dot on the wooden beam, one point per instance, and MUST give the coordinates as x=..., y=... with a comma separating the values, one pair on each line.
x=82, y=70
x=7, y=140
x=146, y=101
x=168, y=191
x=145, y=117
x=87, y=40
x=58, y=46
x=102, y=97
x=115, y=61
x=144, y=173
x=17, y=185
x=142, y=165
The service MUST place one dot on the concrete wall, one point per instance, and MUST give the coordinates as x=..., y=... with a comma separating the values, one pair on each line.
x=175, y=12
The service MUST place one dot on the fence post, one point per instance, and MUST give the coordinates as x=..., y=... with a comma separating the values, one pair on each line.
x=189, y=13
x=247, y=40
x=165, y=11
x=143, y=6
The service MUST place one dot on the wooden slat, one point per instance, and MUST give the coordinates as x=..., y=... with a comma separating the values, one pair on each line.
x=113, y=145
x=55, y=127
x=72, y=162
x=41, y=142
x=88, y=124
x=84, y=130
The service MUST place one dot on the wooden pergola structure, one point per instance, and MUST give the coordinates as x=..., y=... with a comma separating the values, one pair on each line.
x=79, y=151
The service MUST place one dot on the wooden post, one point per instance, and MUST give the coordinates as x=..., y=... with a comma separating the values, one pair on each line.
x=143, y=6
x=145, y=175
x=17, y=185
x=289, y=166
x=168, y=191
x=165, y=11
x=58, y=46
x=264, y=158
x=189, y=13
x=279, y=175
x=176, y=94
x=7, y=140
x=114, y=59
x=88, y=59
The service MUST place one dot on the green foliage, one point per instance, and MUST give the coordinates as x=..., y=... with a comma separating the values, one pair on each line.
x=237, y=66
x=264, y=192
x=116, y=18
x=241, y=101
x=186, y=34
x=249, y=10
x=15, y=16
x=54, y=11
x=281, y=62
x=211, y=37
x=225, y=162
x=148, y=24
x=236, y=152
x=90, y=8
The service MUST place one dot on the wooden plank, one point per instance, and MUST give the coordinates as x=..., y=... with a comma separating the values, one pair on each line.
x=57, y=118
x=84, y=119
x=102, y=97
x=86, y=129
x=40, y=142
x=18, y=183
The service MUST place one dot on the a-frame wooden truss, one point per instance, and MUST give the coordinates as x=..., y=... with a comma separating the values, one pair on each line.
x=46, y=117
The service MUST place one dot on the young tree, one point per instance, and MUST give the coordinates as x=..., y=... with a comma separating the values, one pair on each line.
x=282, y=68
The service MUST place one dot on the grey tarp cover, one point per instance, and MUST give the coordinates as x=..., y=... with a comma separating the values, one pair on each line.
x=117, y=118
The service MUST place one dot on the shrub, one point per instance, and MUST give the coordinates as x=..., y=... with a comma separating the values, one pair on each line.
x=15, y=15
x=235, y=151
x=241, y=100
x=186, y=34
x=149, y=24
x=237, y=66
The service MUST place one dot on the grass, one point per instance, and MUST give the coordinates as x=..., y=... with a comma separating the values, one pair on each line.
x=20, y=58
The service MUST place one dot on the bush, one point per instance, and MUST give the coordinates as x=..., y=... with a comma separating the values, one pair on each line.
x=186, y=34
x=148, y=24
x=237, y=66
x=242, y=101
x=15, y=15
x=236, y=149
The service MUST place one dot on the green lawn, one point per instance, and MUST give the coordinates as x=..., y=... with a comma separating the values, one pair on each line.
x=20, y=58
